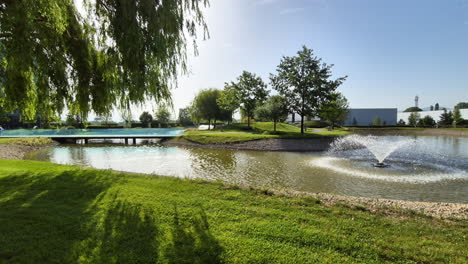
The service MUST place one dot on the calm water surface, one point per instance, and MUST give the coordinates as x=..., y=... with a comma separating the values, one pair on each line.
x=434, y=169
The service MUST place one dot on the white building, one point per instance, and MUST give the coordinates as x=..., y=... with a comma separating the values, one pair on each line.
x=366, y=116
x=361, y=116
x=434, y=114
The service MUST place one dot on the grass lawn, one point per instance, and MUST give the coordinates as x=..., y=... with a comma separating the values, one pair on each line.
x=260, y=130
x=25, y=141
x=63, y=214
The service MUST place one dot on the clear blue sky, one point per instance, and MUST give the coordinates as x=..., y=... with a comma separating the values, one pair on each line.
x=391, y=50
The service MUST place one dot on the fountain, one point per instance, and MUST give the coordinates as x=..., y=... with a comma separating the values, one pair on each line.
x=380, y=147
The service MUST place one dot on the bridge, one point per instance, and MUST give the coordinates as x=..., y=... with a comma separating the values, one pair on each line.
x=74, y=135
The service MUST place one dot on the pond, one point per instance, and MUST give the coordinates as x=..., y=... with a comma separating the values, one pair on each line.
x=424, y=169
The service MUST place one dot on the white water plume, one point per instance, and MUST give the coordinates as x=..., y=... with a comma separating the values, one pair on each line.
x=380, y=147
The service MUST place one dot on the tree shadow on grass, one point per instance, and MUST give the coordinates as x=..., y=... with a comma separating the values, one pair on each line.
x=74, y=216
x=192, y=241
x=41, y=213
x=121, y=232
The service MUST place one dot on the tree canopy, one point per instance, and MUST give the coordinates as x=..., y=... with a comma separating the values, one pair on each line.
x=305, y=80
x=274, y=109
x=413, y=119
x=413, y=109
x=250, y=91
x=146, y=119
x=462, y=105
x=205, y=106
x=446, y=118
x=427, y=121
x=163, y=115
x=111, y=54
x=335, y=110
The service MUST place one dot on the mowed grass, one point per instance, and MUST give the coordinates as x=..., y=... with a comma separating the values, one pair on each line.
x=260, y=130
x=38, y=141
x=63, y=214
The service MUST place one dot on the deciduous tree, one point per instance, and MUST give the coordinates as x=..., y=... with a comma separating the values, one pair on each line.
x=184, y=117
x=205, y=106
x=335, y=110
x=413, y=119
x=305, y=80
x=229, y=99
x=146, y=119
x=274, y=109
x=113, y=53
x=163, y=116
x=250, y=91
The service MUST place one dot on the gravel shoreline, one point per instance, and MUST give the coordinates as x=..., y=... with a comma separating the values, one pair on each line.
x=387, y=206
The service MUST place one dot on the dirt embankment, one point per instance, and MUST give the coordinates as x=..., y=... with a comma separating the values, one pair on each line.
x=273, y=144
x=17, y=152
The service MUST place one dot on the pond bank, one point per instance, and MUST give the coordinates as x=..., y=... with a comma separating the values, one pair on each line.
x=17, y=152
x=273, y=144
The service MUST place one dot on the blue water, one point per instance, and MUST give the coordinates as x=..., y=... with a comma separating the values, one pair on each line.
x=124, y=132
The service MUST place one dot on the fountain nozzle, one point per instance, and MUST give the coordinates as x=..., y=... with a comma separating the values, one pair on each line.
x=380, y=165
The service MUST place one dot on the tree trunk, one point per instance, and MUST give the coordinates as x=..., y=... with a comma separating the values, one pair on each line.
x=293, y=117
x=209, y=124
x=302, y=124
x=214, y=124
x=248, y=120
x=274, y=125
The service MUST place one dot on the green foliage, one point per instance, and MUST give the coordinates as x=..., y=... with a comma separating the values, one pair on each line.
x=335, y=110
x=250, y=91
x=274, y=109
x=457, y=117
x=146, y=119
x=184, y=117
x=229, y=99
x=413, y=119
x=305, y=81
x=163, y=116
x=462, y=105
x=117, y=53
x=75, y=121
x=427, y=121
x=401, y=122
x=446, y=118
x=66, y=214
x=377, y=121
x=205, y=106
x=413, y=109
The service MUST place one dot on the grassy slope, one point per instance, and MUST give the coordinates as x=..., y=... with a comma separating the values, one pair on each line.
x=261, y=130
x=61, y=214
x=25, y=141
